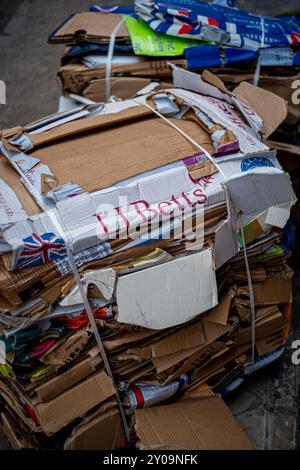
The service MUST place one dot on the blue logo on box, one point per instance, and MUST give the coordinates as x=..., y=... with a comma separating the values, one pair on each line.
x=254, y=162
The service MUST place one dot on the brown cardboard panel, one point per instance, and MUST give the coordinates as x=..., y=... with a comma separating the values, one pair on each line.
x=89, y=25
x=11, y=177
x=122, y=87
x=289, y=148
x=96, y=160
x=127, y=338
x=198, y=423
x=186, y=338
x=56, y=413
x=273, y=291
x=270, y=343
x=270, y=291
x=89, y=124
x=210, y=327
x=10, y=397
x=9, y=427
x=62, y=382
x=280, y=85
x=269, y=325
x=270, y=107
x=102, y=431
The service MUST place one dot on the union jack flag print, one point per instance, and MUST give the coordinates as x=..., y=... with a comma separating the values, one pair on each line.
x=41, y=249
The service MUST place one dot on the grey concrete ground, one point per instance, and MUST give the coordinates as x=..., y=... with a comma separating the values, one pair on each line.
x=267, y=405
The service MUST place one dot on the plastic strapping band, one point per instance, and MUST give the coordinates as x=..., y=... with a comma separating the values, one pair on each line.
x=69, y=248
x=251, y=295
x=258, y=65
x=186, y=136
x=109, y=58
x=207, y=154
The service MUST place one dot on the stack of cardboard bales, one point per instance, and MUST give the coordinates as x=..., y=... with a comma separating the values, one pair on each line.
x=143, y=58
x=156, y=200
x=83, y=68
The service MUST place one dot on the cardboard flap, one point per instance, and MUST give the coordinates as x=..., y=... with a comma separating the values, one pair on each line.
x=181, y=340
x=270, y=108
x=177, y=291
x=289, y=148
x=215, y=81
x=263, y=188
x=82, y=25
x=197, y=423
x=13, y=433
x=101, y=430
x=56, y=413
x=89, y=124
x=219, y=314
x=207, y=84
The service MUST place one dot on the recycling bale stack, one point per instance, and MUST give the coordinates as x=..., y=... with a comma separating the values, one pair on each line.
x=231, y=43
x=160, y=203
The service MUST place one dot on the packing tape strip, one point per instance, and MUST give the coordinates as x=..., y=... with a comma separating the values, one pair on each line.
x=54, y=216
x=109, y=58
x=185, y=135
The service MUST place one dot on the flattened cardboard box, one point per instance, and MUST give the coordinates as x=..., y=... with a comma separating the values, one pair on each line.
x=271, y=291
x=89, y=26
x=198, y=424
x=56, y=413
x=62, y=382
x=101, y=431
x=168, y=294
x=9, y=429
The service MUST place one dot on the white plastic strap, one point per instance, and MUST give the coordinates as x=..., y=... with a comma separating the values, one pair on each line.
x=258, y=65
x=186, y=136
x=251, y=295
x=109, y=58
x=54, y=216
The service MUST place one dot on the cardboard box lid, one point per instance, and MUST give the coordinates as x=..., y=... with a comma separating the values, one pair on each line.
x=198, y=424
x=88, y=153
x=56, y=413
x=86, y=25
x=168, y=294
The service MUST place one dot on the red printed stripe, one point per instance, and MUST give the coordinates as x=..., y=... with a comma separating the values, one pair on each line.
x=295, y=37
x=212, y=22
x=31, y=412
x=185, y=29
x=183, y=13
x=138, y=395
